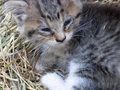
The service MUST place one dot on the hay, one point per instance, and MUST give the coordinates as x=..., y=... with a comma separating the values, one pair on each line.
x=16, y=72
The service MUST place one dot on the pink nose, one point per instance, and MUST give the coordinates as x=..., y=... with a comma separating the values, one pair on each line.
x=61, y=40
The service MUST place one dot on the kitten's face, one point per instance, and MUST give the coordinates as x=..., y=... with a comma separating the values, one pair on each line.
x=50, y=22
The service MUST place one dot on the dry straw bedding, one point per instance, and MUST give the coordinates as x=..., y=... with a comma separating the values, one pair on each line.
x=16, y=56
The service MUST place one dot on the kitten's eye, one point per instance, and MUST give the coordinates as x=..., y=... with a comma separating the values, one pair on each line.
x=67, y=23
x=46, y=30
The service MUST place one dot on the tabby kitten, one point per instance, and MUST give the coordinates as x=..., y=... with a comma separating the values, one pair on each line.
x=83, y=37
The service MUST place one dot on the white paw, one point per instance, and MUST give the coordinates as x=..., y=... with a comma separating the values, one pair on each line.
x=53, y=81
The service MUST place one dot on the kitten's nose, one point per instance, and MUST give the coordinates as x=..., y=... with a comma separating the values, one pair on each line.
x=61, y=40
x=60, y=37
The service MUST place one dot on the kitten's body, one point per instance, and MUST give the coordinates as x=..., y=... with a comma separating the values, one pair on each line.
x=91, y=46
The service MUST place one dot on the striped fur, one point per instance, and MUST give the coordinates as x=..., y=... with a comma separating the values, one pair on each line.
x=88, y=43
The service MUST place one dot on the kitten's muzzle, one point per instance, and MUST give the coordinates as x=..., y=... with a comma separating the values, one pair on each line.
x=61, y=39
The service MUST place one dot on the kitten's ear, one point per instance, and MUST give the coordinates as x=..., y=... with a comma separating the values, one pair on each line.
x=74, y=7
x=18, y=10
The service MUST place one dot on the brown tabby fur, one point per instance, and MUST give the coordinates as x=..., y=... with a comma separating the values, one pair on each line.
x=91, y=44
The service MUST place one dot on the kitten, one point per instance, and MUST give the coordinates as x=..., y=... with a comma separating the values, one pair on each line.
x=83, y=37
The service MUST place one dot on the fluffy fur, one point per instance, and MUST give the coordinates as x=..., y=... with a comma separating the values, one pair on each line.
x=83, y=37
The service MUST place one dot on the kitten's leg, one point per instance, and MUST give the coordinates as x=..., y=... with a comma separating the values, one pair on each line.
x=75, y=80
x=53, y=81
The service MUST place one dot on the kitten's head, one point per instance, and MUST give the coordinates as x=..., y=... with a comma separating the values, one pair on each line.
x=46, y=21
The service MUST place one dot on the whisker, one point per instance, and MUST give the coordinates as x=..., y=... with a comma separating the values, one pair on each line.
x=34, y=48
x=83, y=26
x=78, y=35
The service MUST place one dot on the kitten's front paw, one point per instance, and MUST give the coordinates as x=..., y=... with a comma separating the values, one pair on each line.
x=53, y=81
